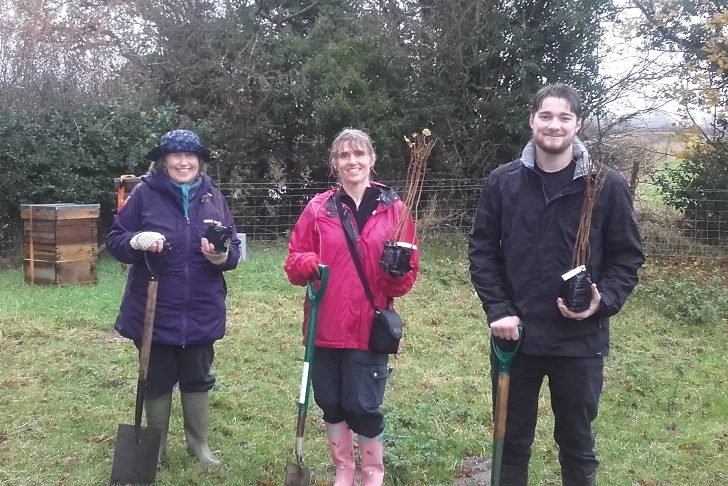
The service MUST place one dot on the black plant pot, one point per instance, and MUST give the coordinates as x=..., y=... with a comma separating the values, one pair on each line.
x=396, y=258
x=576, y=289
x=219, y=236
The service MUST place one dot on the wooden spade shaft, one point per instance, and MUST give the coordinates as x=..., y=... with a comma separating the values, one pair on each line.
x=499, y=429
x=137, y=447
x=148, y=328
x=501, y=404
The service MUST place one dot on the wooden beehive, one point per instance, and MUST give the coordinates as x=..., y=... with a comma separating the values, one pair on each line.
x=60, y=242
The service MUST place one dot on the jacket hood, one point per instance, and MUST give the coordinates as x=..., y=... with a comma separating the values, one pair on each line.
x=584, y=163
x=160, y=181
x=387, y=194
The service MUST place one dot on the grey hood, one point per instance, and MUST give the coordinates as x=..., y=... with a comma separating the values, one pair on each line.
x=584, y=163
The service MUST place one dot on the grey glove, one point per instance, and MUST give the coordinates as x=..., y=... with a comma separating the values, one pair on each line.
x=145, y=239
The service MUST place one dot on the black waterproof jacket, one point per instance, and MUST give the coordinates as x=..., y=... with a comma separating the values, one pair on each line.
x=522, y=242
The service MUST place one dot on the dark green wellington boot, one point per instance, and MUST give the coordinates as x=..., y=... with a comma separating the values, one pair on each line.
x=514, y=475
x=196, y=413
x=575, y=478
x=158, y=411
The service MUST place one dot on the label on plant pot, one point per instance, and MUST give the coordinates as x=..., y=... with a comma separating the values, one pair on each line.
x=572, y=272
x=409, y=246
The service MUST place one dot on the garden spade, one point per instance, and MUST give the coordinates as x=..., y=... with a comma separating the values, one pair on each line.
x=501, y=402
x=137, y=448
x=296, y=473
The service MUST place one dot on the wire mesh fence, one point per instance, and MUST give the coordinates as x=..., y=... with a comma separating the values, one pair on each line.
x=265, y=211
x=9, y=241
x=268, y=211
x=699, y=231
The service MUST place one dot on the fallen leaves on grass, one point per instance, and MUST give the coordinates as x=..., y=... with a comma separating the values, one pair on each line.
x=473, y=471
x=689, y=447
x=97, y=439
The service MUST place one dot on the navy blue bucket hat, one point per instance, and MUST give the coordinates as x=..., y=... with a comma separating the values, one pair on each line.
x=179, y=141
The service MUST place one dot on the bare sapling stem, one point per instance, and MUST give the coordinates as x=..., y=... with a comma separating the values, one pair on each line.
x=594, y=183
x=420, y=148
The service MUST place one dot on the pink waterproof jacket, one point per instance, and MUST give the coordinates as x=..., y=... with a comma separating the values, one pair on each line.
x=345, y=315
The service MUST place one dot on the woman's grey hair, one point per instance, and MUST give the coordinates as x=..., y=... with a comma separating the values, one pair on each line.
x=161, y=163
x=357, y=138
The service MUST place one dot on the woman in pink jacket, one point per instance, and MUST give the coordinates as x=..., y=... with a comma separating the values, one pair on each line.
x=348, y=379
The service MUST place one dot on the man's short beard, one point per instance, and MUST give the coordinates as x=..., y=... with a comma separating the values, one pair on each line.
x=553, y=150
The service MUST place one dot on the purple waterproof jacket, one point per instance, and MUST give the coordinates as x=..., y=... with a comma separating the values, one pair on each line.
x=191, y=295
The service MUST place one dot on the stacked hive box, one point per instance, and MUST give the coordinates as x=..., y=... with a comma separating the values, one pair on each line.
x=60, y=242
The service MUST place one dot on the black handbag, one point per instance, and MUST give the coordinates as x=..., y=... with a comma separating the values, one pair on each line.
x=386, y=332
x=387, y=324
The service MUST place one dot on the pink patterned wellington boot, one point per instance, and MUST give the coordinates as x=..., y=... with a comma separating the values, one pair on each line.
x=341, y=445
x=372, y=464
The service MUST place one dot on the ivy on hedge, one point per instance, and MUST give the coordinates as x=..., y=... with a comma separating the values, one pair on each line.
x=72, y=156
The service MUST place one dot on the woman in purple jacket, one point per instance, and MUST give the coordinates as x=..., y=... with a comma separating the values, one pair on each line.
x=162, y=228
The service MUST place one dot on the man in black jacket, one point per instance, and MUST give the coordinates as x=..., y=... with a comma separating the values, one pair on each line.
x=523, y=240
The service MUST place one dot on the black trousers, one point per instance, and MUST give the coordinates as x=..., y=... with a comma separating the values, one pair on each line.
x=348, y=385
x=187, y=365
x=575, y=385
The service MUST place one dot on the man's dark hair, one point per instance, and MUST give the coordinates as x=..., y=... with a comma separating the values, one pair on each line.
x=558, y=91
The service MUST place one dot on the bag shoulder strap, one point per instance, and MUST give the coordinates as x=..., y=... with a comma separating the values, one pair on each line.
x=352, y=250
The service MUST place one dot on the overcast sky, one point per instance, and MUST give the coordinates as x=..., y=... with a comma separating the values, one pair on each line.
x=625, y=56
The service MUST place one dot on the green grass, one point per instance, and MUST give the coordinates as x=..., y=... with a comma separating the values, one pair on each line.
x=648, y=193
x=66, y=381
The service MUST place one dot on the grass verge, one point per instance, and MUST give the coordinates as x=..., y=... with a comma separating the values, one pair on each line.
x=66, y=381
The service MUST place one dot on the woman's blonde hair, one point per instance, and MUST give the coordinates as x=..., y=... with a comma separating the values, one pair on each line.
x=357, y=138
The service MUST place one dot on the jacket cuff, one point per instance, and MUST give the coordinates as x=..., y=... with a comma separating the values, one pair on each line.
x=496, y=313
x=607, y=309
